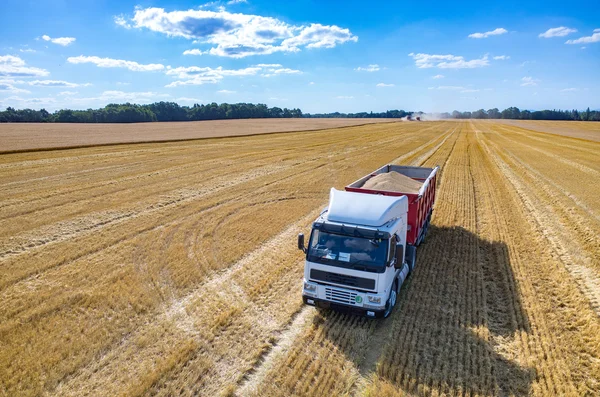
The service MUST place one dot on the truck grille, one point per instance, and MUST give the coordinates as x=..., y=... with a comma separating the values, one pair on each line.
x=336, y=295
x=342, y=279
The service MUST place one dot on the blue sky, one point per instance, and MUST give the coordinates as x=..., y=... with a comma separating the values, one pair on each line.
x=319, y=56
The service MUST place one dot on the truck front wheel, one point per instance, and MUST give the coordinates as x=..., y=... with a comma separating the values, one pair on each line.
x=391, y=302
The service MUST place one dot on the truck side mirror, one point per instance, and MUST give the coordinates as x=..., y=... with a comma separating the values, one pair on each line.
x=399, y=256
x=301, y=242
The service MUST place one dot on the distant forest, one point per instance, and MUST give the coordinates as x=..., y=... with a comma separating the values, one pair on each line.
x=171, y=111
x=510, y=113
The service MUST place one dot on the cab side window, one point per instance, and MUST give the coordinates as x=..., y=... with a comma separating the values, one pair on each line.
x=393, y=242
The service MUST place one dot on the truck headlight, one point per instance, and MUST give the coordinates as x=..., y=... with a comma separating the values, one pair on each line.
x=374, y=299
x=310, y=287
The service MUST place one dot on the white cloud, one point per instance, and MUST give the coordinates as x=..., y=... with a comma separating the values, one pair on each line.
x=344, y=97
x=195, y=75
x=67, y=93
x=447, y=87
x=236, y=35
x=320, y=36
x=557, y=32
x=121, y=21
x=279, y=71
x=470, y=90
x=501, y=57
x=56, y=83
x=123, y=83
x=311, y=83
x=494, y=32
x=384, y=85
x=9, y=86
x=594, y=38
x=225, y=92
x=121, y=96
x=188, y=100
x=116, y=63
x=63, y=41
x=569, y=90
x=29, y=50
x=370, y=68
x=424, y=61
x=35, y=103
x=529, y=81
x=194, y=51
x=438, y=76
x=236, y=1
x=12, y=66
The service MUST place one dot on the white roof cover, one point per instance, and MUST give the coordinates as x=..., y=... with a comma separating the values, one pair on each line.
x=365, y=209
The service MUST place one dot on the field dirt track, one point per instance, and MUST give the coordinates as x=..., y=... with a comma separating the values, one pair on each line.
x=18, y=137
x=574, y=129
x=172, y=268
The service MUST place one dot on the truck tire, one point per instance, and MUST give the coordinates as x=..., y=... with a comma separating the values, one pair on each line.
x=424, y=231
x=391, y=302
x=411, y=257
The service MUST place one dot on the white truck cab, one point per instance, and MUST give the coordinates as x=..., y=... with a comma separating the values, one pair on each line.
x=356, y=255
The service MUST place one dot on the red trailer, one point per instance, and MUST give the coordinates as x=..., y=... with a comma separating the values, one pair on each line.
x=420, y=205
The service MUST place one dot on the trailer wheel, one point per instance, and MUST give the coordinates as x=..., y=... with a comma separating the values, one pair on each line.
x=391, y=302
x=427, y=226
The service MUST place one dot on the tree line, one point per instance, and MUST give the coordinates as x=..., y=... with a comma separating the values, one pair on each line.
x=516, y=114
x=509, y=113
x=159, y=111
x=390, y=114
x=171, y=111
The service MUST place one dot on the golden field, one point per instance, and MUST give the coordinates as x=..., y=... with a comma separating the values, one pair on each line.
x=172, y=268
x=21, y=137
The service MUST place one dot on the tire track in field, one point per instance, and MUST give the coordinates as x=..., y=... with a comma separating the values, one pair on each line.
x=542, y=216
x=531, y=333
x=88, y=191
x=191, y=161
x=84, y=225
x=137, y=177
x=259, y=372
x=553, y=140
x=310, y=159
x=572, y=222
x=176, y=313
x=62, y=231
x=443, y=137
x=573, y=164
x=170, y=150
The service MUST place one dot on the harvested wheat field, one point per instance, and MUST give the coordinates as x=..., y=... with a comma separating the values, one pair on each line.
x=172, y=268
x=575, y=129
x=20, y=137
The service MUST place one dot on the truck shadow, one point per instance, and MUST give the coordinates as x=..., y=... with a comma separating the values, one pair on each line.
x=457, y=327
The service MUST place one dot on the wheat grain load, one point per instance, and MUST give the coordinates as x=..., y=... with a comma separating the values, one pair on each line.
x=393, y=182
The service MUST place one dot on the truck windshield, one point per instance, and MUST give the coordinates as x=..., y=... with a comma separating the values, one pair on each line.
x=348, y=251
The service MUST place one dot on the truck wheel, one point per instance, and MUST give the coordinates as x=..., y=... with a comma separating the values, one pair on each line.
x=411, y=257
x=391, y=302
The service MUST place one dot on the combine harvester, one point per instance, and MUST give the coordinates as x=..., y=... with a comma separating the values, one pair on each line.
x=363, y=245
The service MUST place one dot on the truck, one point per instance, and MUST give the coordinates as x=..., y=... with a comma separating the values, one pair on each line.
x=363, y=245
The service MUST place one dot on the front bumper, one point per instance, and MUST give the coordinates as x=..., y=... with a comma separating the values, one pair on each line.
x=325, y=304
